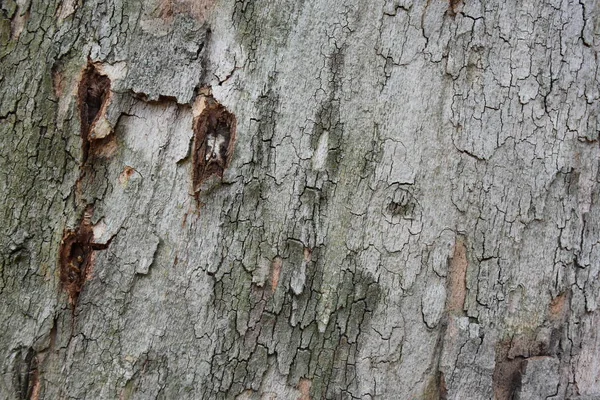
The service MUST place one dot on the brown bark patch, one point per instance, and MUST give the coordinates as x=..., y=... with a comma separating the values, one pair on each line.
x=93, y=99
x=457, y=274
x=126, y=175
x=37, y=386
x=275, y=272
x=443, y=388
x=454, y=7
x=508, y=373
x=214, y=138
x=304, y=387
x=198, y=9
x=436, y=388
x=105, y=147
x=76, y=257
x=558, y=307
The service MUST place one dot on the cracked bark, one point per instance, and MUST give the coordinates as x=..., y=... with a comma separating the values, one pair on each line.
x=399, y=199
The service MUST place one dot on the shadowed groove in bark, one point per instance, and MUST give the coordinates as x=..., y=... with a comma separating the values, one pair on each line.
x=93, y=93
x=25, y=374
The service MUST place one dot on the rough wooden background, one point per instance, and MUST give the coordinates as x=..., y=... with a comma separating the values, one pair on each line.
x=406, y=208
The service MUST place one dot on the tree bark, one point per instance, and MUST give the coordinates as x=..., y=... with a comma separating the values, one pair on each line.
x=299, y=199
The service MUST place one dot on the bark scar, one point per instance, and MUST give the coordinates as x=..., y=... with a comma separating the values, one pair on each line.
x=457, y=284
x=76, y=256
x=214, y=139
x=94, y=97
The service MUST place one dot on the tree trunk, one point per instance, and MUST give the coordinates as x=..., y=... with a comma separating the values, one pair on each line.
x=308, y=199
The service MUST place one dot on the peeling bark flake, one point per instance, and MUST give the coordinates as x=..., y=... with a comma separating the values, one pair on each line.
x=198, y=9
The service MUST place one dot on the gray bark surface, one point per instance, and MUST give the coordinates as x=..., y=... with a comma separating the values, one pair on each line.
x=404, y=203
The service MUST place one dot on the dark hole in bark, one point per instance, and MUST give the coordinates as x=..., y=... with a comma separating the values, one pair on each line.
x=25, y=373
x=402, y=204
x=398, y=209
x=214, y=137
x=76, y=257
x=93, y=93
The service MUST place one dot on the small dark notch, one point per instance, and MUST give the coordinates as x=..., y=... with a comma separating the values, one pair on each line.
x=76, y=252
x=214, y=137
x=93, y=93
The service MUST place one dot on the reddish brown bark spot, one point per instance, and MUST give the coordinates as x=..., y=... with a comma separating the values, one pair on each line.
x=126, y=175
x=558, y=307
x=304, y=388
x=457, y=284
x=275, y=273
x=36, y=385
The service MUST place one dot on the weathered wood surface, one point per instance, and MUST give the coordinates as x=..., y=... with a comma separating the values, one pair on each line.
x=404, y=204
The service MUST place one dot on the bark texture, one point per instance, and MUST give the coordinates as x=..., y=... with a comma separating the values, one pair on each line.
x=299, y=199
